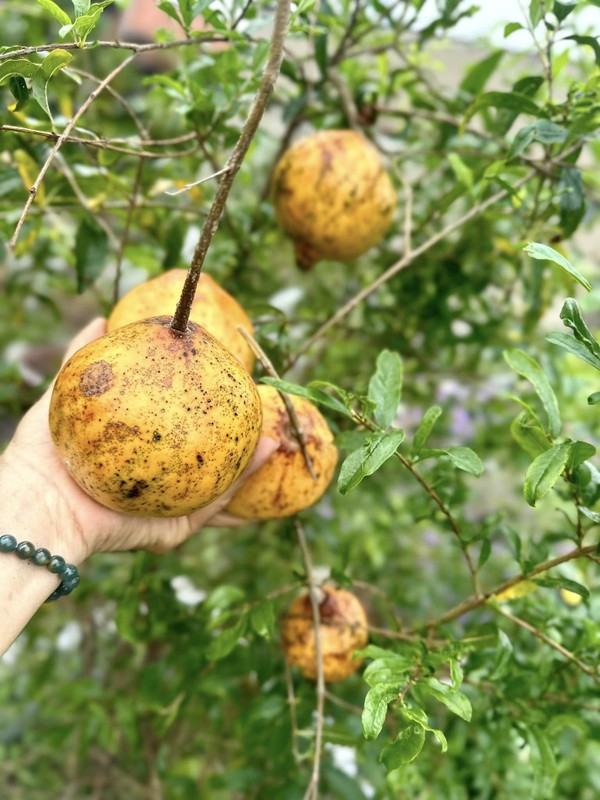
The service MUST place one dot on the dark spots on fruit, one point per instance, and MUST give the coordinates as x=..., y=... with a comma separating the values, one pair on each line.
x=156, y=437
x=194, y=351
x=96, y=379
x=199, y=460
x=119, y=431
x=136, y=490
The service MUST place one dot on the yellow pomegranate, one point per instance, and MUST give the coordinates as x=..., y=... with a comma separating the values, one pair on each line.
x=283, y=485
x=152, y=422
x=213, y=308
x=342, y=630
x=333, y=196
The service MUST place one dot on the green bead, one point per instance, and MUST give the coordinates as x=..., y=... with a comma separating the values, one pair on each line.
x=25, y=550
x=57, y=564
x=41, y=557
x=8, y=543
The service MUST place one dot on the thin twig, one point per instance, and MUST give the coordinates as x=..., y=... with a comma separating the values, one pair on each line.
x=550, y=642
x=475, y=602
x=136, y=47
x=291, y=696
x=211, y=224
x=268, y=367
x=84, y=107
x=107, y=144
x=189, y=186
x=403, y=263
x=312, y=791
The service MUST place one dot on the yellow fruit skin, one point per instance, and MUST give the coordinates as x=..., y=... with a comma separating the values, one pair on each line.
x=154, y=423
x=333, y=196
x=213, y=308
x=283, y=485
x=343, y=629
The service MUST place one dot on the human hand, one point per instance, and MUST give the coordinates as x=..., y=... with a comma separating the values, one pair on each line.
x=33, y=475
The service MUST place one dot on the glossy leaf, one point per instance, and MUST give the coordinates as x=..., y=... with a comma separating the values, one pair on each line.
x=528, y=367
x=385, y=387
x=368, y=459
x=546, y=253
x=405, y=749
x=454, y=700
x=544, y=472
x=424, y=430
x=376, y=707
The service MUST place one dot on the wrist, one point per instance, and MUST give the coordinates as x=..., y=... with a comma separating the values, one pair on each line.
x=33, y=508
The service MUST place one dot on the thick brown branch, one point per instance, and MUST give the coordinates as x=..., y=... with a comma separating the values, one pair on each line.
x=211, y=224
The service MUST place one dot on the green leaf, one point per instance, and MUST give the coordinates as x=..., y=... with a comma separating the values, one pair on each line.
x=456, y=673
x=572, y=200
x=55, y=10
x=525, y=365
x=571, y=317
x=368, y=459
x=574, y=347
x=316, y=395
x=417, y=715
x=594, y=399
x=224, y=643
x=536, y=11
x=91, y=252
x=580, y=452
x=385, y=387
x=375, y=708
x=20, y=67
x=84, y=25
x=542, y=130
x=509, y=101
x=81, y=7
x=262, y=619
x=511, y=28
x=545, y=768
x=424, y=430
x=564, y=583
x=545, y=253
x=461, y=171
x=18, y=89
x=484, y=553
x=478, y=74
x=529, y=434
x=545, y=471
x=504, y=653
x=562, y=10
x=405, y=749
x=321, y=41
x=390, y=669
x=594, y=516
x=54, y=61
x=464, y=458
x=454, y=700
x=589, y=41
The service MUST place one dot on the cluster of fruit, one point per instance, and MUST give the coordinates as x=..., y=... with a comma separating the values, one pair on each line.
x=155, y=422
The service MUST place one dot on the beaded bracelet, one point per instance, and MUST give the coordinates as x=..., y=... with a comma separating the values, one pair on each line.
x=68, y=573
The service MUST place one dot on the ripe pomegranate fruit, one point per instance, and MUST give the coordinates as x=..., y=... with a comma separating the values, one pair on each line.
x=153, y=422
x=333, y=196
x=213, y=308
x=342, y=630
x=283, y=485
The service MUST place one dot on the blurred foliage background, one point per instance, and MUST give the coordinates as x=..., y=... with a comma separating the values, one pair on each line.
x=163, y=676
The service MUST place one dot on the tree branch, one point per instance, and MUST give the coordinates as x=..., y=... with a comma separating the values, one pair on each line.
x=211, y=224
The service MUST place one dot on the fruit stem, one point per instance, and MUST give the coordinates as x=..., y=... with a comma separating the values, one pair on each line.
x=268, y=367
x=211, y=224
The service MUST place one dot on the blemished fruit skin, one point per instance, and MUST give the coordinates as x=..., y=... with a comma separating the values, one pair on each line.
x=332, y=196
x=283, y=485
x=154, y=423
x=343, y=629
x=213, y=308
